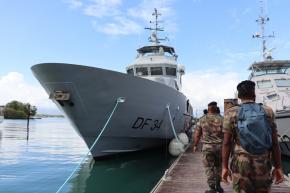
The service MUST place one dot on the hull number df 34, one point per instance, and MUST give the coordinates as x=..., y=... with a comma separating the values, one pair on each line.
x=147, y=123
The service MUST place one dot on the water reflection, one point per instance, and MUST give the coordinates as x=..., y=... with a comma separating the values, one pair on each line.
x=131, y=173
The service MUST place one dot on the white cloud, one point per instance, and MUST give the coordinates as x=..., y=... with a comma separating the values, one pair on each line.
x=233, y=60
x=246, y=11
x=201, y=87
x=112, y=20
x=73, y=4
x=240, y=57
x=145, y=9
x=101, y=8
x=120, y=26
x=234, y=14
x=14, y=87
x=286, y=45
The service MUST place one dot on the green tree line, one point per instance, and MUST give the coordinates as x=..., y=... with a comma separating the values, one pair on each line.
x=18, y=110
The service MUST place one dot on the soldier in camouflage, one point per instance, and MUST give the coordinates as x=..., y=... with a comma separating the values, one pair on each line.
x=250, y=173
x=209, y=128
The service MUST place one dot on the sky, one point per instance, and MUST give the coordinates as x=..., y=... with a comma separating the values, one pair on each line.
x=213, y=40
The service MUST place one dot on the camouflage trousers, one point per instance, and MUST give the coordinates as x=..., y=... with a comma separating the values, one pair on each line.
x=211, y=158
x=251, y=174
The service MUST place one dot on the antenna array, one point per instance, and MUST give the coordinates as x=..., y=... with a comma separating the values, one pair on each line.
x=262, y=20
x=154, y=36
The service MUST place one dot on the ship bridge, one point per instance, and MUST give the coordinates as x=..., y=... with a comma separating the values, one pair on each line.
x=272, y=80
x=269, y=67
x=157, y=63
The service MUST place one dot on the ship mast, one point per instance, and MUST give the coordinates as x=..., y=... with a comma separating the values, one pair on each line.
x=262, y=20
x=154, y=36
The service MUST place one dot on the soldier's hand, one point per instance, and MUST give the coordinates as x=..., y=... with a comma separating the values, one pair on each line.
x=194, y=149
x=225, y=174
x=278, y=175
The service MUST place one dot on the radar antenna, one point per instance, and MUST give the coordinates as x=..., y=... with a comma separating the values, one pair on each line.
x=262, y=20
x=154, y=36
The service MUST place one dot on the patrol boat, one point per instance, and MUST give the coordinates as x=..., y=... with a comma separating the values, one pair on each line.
x=272, y=80
x=149, y=93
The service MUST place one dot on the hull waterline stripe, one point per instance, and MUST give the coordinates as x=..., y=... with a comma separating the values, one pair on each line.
x=119, y=100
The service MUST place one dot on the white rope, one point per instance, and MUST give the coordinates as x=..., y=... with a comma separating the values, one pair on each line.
x=172, y=126
x=119, y=100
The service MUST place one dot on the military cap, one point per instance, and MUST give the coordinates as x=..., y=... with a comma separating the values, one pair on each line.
x=213, y=103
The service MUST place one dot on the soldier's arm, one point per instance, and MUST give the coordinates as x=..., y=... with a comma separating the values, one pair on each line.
x=228, y=125
x=277, y=173
x=197, y=135
x=276, y=152
x=226, y=150
x=227, y=146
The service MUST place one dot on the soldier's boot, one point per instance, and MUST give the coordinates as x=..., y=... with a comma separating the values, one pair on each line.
x=212, y=189
x=218, y=187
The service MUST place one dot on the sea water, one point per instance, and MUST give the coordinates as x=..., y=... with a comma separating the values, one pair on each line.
x=40, y=160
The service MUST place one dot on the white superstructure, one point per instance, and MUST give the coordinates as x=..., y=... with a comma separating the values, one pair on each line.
x=272, y=80
x=157, y=62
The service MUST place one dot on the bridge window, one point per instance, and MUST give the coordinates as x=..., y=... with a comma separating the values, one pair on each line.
x=142, y=71
x=170, y=71
x=272, y=96
x=156, y=71
x=264, y=84
x=282, y=82
x=130, y=71
x=260, y=72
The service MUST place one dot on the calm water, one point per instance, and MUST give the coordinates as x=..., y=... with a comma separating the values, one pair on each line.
x=42, y=163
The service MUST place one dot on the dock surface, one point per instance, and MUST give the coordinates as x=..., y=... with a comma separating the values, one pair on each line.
x=187, y=175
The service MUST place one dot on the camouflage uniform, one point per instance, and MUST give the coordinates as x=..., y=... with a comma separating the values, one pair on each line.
x=250, y=173
x=210, y=126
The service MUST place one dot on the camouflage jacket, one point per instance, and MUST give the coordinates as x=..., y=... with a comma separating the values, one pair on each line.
x=230, y=125
x=210, y=127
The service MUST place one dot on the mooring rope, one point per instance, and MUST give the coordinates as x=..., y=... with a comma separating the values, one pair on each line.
x=119, y=100
x=172, y=126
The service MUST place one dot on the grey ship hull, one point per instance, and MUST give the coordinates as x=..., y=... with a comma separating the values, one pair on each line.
x=140, y=122
x=283, y=126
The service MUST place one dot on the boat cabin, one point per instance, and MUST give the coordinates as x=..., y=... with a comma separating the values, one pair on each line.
x=270, y=67
x=157, y=63
x=272, y=80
